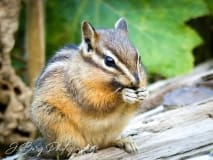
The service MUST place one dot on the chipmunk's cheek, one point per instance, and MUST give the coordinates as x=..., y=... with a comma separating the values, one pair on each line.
x=123, y=80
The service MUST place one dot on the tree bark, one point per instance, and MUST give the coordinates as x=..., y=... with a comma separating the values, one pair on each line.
x=35, y=38
x=15, y=124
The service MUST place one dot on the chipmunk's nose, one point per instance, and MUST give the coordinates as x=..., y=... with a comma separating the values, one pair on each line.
x=136, y=81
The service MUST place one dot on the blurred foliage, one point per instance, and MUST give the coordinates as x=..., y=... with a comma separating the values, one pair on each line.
x=209, y=4
x=157, y=28
x=204, y=27
x=19, y=59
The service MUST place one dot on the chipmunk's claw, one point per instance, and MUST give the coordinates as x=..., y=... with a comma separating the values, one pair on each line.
x=142, y=94
x=129, y=95
x=132, y=96
x=127, y=145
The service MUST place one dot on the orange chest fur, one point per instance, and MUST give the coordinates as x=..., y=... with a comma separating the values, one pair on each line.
x=95, y=128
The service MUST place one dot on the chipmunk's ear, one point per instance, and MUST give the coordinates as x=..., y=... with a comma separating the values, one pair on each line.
x=121, y=24
x=88, y=34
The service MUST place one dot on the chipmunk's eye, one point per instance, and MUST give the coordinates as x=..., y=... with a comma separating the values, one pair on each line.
x=109, y=61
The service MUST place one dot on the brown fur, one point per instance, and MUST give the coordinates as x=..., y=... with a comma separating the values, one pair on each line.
x=75, y=103
x=79, y=125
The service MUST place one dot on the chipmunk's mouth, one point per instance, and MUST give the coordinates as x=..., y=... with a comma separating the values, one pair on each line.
x=119, y=87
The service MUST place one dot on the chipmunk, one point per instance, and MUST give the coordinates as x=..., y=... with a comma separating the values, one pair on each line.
x=86, y=95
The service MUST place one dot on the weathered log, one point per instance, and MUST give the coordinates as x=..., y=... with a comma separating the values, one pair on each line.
x=175, y=134
x=201, y=75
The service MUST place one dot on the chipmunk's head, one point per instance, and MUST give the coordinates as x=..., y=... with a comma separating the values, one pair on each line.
x=113, y=54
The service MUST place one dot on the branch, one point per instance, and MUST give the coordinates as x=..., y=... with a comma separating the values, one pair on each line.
x=35, y=38
x=178, y=133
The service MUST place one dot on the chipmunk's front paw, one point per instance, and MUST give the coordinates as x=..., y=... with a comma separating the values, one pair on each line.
x=127, y=145
x=142, y=94
x=132, y=96
x=129, y=95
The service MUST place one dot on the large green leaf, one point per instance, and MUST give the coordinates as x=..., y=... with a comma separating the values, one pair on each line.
x=157, y=28
x=209, y=4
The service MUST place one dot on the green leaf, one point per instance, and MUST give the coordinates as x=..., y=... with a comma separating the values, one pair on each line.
x=209, y=4
x=157, y=28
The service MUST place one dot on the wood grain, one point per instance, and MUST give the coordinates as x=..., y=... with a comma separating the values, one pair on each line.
x=175, y=134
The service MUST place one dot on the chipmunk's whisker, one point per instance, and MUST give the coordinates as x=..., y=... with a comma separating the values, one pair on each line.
x=118, y=89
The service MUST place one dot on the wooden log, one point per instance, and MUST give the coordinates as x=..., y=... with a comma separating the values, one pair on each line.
x=35, y=38
x=159, y=89
x=175, y=134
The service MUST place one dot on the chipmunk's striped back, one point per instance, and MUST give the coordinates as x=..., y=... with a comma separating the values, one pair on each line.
x=56, y=63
